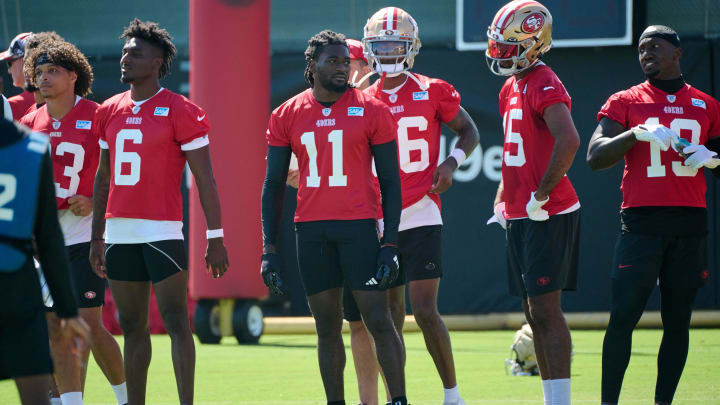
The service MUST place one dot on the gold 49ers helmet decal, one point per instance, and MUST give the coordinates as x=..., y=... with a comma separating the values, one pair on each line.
x=520, y=34
x=391, y=41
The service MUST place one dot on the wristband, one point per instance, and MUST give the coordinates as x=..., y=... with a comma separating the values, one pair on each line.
x=459, y=156
x=214, y=233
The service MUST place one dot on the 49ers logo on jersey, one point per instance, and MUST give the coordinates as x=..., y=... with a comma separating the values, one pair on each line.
x=543, y=281
x=533, y=23
x=89, y=294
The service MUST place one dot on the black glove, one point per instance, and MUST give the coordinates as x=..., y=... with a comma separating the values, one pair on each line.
x=388, y=266
x=269, y=269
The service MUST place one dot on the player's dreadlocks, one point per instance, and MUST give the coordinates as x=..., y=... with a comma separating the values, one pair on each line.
x=63, y=54
x=315, y=48
x=32, y=43
x=151, y=32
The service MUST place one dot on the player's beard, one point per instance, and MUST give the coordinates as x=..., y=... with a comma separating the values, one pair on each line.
x=328, y=83
x=126, y=79
x=652, y=74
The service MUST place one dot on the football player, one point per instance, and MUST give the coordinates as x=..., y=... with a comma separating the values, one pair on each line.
x=14, y=58
x=33, y=42
x=28, y=213
x=540, y=202
x=663, y=217
x=419, y=105
x=335, y=131
x=63, y=76
x=359, y=72
x=147, y=134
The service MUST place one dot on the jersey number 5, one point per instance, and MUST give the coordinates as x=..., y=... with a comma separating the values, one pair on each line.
x=656, y=168
x=121, y=157
x=337, y=179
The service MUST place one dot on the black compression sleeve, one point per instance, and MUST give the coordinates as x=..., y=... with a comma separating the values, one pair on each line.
x=51, y=245
x=714, y=145
x=273, y=192
x=388, y=172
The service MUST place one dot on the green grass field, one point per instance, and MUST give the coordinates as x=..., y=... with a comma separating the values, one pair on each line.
x=283, y=370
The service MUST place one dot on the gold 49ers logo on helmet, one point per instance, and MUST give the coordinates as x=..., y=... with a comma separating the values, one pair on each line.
x=533, y=23
x=391, y=40
x=520, y=34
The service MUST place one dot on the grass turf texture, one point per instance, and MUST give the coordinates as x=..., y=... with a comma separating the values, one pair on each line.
x=283, y=370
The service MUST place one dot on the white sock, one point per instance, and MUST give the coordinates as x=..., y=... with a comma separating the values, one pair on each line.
x=72, y=398
x=452, y=394
x=547, y=392
x=55, y=401
x=120, y=393
x=560, y=391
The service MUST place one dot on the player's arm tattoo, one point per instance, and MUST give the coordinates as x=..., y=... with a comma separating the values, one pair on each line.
x=101, y=188
x=201, y=168
x=714, y=145
x=567, y=141
x=273, y=193
x=609, y=143
x=388, y=173
x=466, y=130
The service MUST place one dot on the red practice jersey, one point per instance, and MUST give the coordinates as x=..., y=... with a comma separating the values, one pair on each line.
x=332, y=145
x=74, y=148
x=528, y=142
x=419, y=114
x=146, y=155
x=20, y=104
x=653, y=177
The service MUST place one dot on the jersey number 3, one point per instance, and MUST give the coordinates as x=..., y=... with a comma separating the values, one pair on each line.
x=70, y=171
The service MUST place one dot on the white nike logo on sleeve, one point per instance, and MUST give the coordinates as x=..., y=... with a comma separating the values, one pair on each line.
x=548, y=88
x=199, y=118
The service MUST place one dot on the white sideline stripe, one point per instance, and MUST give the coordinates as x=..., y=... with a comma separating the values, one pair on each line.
x=166, y=255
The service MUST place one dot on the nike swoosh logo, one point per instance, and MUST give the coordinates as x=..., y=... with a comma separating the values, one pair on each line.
x=548, y=88
x=623, y=266
x=201, y=118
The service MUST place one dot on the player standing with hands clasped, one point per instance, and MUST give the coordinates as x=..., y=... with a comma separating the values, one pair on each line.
x=540, y=205
x=663, y=217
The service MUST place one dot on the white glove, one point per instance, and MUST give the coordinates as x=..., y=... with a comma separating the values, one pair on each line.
x=498, y=216
x=660, y=135
x=534, y=208
x=700, y=156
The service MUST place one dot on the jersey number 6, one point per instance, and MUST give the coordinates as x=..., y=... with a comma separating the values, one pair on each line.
x=127, y=157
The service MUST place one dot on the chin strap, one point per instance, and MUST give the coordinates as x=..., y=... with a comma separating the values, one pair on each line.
x=362, y=79
x=423, y=86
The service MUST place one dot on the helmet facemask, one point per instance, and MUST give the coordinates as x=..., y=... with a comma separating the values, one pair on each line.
x=392, y=57
x=506, y=58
